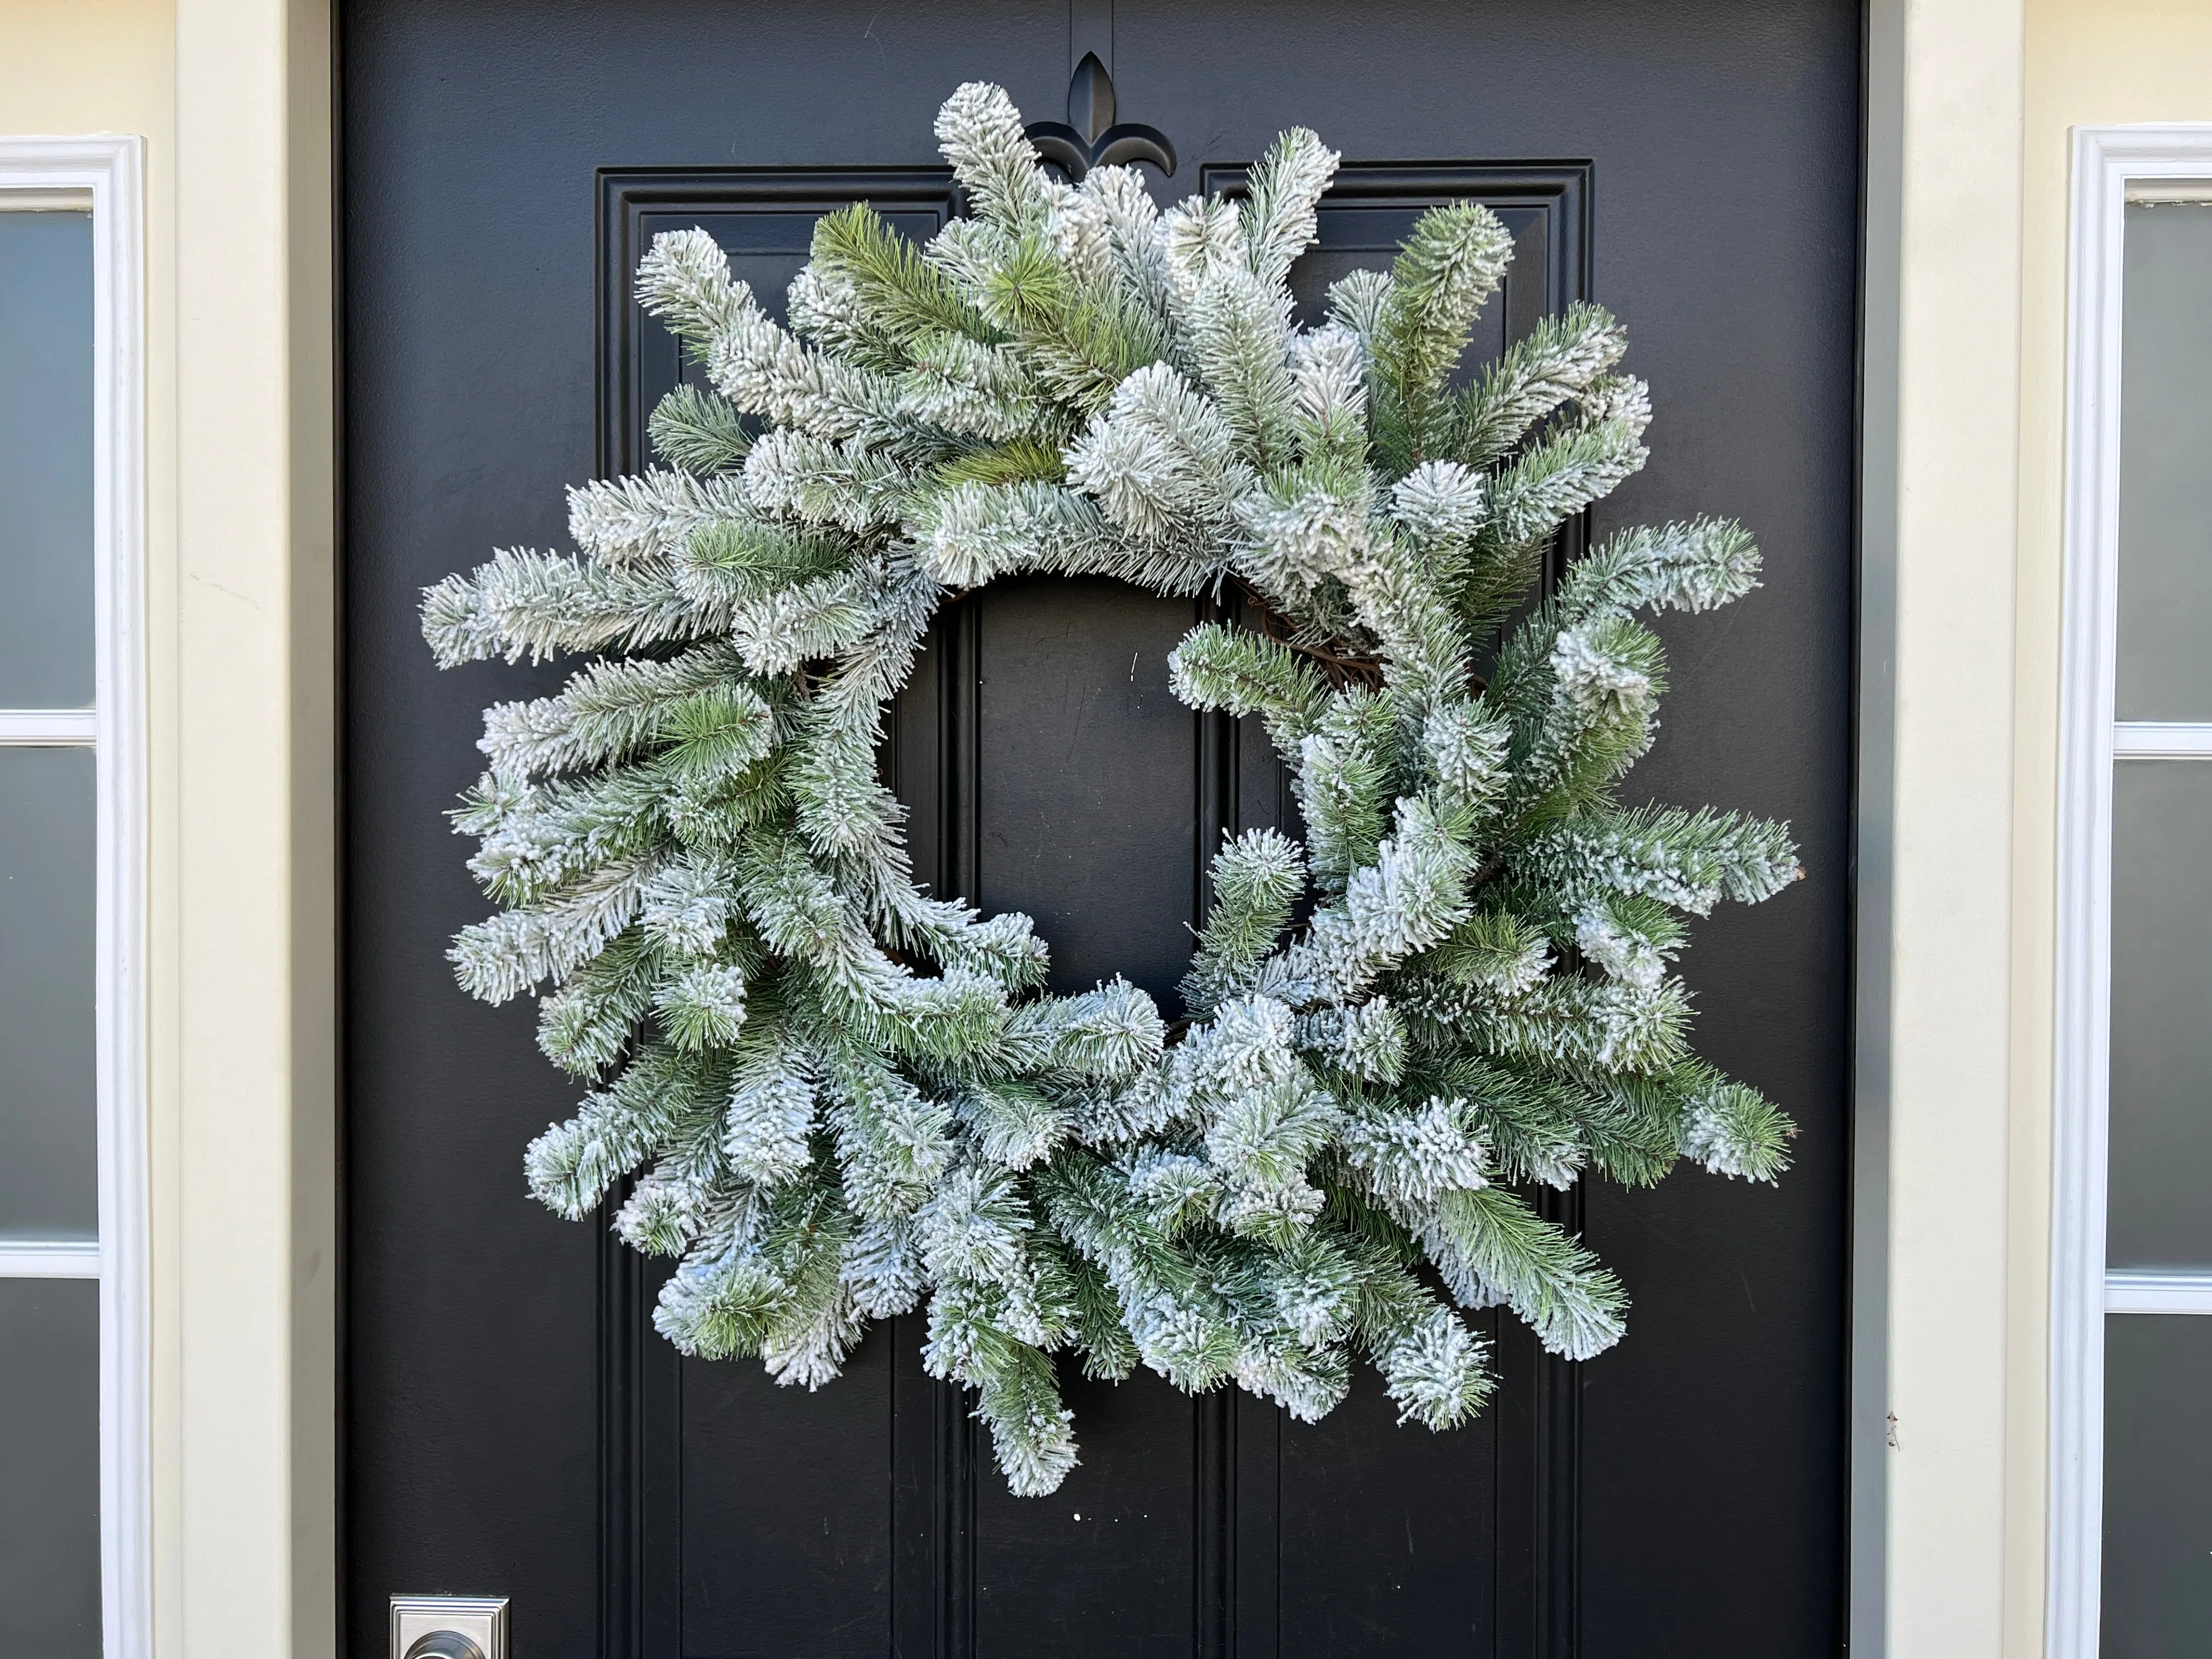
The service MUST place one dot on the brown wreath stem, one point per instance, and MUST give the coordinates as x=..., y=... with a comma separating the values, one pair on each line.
x=1487, y=872
x=1341, y=670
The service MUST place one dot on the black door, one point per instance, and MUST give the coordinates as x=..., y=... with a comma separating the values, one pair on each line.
x=514, y=1427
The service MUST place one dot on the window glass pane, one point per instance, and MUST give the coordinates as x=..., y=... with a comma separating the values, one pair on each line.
x=46, y=1104
x=2158, y=1486
x=2161, y=1145
x=46, y=460
x=2166, y=463
x=50, y=1467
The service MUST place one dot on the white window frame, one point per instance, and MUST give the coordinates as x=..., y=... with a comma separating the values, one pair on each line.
x=2113, y=166
x=103, y=173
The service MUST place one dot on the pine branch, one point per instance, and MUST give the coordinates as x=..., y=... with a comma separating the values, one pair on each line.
x=1450, y=265
x=1534, y=376
x=693, y=428
x=899, y=292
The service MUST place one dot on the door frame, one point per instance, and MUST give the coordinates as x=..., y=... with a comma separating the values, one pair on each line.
x=248, y=1384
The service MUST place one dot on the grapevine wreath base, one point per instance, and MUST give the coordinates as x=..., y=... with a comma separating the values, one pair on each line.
x=841, y=1097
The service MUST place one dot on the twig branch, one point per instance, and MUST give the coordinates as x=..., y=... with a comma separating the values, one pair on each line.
x=1341, y=670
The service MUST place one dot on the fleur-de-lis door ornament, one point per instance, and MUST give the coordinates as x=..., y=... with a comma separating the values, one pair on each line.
x=1090, y=137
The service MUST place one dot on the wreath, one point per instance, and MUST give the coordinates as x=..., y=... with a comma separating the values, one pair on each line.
x=832, y=1096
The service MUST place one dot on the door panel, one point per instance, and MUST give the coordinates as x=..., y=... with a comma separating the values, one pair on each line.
x=766, y=1565
x=513, y=1427
x=1049, y=769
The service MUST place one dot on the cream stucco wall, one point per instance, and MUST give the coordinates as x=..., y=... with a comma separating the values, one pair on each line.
x=1970, y=104
x=2089, y=62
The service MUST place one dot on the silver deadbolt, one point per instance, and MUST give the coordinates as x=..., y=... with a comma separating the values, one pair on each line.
x=449, y=1627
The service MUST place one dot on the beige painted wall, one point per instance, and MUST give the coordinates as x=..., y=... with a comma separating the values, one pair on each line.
x=2089, y=62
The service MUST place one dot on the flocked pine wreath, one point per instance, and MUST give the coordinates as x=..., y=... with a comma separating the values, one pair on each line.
x=842, y=1097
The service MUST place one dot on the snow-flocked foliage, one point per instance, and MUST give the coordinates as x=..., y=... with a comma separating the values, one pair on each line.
x=833, y=1097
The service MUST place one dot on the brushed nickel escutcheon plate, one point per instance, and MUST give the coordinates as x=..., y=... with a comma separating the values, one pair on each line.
x=475, y=1627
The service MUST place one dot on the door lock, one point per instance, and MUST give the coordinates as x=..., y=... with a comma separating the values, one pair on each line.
x=449, y=1627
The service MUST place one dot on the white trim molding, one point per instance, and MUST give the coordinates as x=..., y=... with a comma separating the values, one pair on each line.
x=103, y=172
x=2112, y=165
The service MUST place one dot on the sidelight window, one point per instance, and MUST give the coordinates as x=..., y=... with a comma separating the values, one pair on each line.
x=2132, y=1382
x=72, y=1306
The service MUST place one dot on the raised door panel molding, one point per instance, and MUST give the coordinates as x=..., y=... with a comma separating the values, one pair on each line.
x=637, y=203
x=942, y=1531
